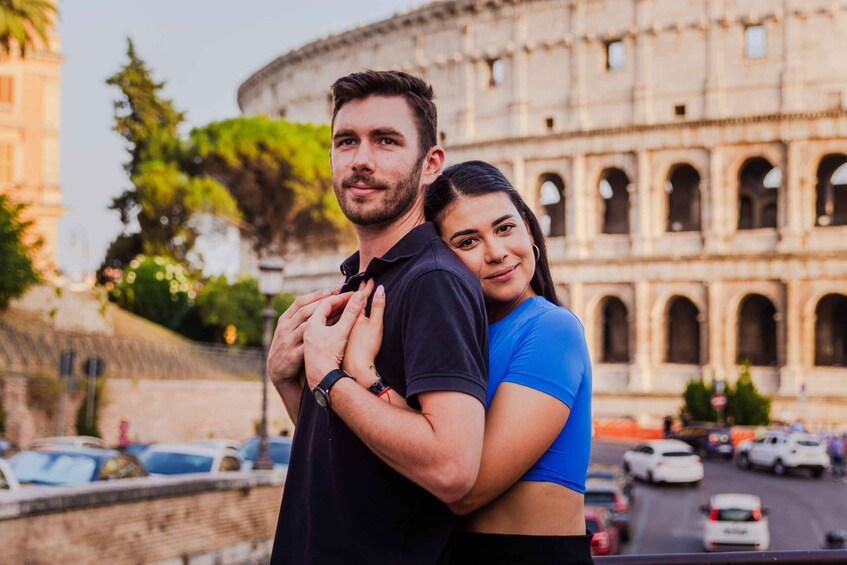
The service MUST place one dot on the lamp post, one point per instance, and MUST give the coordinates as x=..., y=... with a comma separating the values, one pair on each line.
x=271, y=277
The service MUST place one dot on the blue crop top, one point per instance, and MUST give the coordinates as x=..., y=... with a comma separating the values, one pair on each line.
x=542, y=346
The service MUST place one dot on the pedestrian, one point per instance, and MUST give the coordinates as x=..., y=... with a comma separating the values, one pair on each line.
x=123, y=434
x=527, y=503
x=368, y=482
x=667, y=424
x=835, y=449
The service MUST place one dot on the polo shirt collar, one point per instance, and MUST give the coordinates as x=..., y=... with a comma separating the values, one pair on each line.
x=407, y=247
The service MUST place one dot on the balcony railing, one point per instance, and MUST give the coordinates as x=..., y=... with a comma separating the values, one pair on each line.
x=817, y=557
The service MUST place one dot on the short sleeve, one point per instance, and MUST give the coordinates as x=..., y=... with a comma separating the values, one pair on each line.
x=551, y=356
x=445, y=336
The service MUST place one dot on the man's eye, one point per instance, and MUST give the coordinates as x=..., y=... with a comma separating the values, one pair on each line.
x=348, y=141
x=387, y=141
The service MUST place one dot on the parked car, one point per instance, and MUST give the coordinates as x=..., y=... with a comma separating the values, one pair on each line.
x=8, y=481
x=735, y=521
x=613, y=473
x=706, y=439
x=135, y=448
x=784, y=451
x=181, y=458
x=605, y=539
x=7, y=448
x=74, y=465
x=609, y=495
x=664, y=461
x=67, y=441
x=279, y=450
x=220, y=443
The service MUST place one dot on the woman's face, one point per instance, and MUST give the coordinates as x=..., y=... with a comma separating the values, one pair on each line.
x=489, y=235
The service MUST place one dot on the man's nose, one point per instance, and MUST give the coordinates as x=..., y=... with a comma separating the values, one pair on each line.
x=363, y=159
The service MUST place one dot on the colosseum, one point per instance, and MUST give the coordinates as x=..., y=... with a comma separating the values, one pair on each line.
x=688, y=159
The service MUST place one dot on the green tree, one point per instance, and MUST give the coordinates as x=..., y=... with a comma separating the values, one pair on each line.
x=278, y=173
x=163, y=201
x=156, y=288
x=239, y=304
x=697, y=400
x=745, y=403
x=21, y=21
x=15, y=255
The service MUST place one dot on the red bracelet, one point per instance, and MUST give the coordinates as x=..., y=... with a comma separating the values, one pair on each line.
x=385, y=391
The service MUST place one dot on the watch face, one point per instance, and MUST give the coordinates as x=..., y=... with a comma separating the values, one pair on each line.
x=320, y=397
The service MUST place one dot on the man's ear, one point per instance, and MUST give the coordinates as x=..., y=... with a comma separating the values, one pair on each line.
x=433, y=163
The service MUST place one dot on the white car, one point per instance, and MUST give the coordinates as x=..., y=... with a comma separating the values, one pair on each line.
x=783, y=451
x=68, y=441
x=735, y=521
x=8, y=481
x=180, y=458
x=664, y=461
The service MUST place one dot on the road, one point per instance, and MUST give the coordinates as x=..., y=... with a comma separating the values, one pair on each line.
x=666, y=519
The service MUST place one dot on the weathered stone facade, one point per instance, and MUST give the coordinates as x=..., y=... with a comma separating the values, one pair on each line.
x=687, y=157
x=30, y=96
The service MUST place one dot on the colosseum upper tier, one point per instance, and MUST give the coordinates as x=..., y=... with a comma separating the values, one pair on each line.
x=688, y=159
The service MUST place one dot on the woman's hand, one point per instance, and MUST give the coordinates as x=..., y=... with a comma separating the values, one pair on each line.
x=365, y=340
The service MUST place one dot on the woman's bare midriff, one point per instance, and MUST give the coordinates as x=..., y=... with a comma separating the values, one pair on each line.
x=531, y=508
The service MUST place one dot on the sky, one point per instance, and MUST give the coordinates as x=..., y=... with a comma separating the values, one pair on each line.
x=203, y=50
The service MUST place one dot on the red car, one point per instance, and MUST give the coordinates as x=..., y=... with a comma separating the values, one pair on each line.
x=600, y=522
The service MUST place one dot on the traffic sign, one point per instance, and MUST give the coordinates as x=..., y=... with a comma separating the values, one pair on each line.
x=93, y=367
x=718, y=400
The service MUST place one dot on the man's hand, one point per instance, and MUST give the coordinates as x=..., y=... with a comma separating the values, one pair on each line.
x=324, y=342
x=285, y=356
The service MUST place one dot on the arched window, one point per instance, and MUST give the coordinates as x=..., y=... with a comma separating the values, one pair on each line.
x=683, y=188
x=615, y=331
x=551, y=198
x=831, y=331
x=831, y=209
x=758, y=188
x=756, y=331
x=615, y=201
x=683, y=337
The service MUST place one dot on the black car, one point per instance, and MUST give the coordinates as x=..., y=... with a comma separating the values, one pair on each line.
x=74, y=465
x=706, y=439
x=279, y=450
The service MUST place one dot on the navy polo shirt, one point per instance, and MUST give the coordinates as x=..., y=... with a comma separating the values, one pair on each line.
x=341, y=503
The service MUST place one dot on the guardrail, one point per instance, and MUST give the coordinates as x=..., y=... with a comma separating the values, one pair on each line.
x=818, y=557
x=28, y=353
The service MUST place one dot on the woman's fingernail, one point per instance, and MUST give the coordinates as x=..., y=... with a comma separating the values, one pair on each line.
x=380, y=290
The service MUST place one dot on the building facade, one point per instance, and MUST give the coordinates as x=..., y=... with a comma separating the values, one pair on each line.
x=688, y=159
x=30, y=97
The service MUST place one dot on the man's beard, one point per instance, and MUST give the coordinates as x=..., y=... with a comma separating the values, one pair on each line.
x=396, y=200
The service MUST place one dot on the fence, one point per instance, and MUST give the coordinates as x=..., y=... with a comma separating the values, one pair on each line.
x=817, y=557
x=29, y=353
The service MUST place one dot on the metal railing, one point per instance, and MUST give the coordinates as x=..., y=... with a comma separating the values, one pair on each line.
x=818, y=557
x=25, y=352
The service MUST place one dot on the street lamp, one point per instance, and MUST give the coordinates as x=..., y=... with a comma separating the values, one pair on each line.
x=271, y=277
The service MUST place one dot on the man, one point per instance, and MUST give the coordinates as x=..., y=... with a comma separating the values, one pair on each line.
x=368, y=481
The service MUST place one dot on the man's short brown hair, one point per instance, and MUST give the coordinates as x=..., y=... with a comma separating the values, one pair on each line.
x=414, y=90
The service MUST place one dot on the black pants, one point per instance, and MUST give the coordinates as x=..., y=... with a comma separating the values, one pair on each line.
x=470, y=548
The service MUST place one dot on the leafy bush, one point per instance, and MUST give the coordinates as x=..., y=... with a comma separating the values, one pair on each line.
x=697, y=400
x=43, y=394
x=156, y=288
x=745, y=406
x=15, y=255
x=82, y=427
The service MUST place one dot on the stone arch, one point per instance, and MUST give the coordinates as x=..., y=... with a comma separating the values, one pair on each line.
x=614, y=331
x=759, y=183
x=831, y=331
x=756, y=331
x=613, y=194
x=831, y=191
x=551, y=202
x=683, y=207
x=682, y=331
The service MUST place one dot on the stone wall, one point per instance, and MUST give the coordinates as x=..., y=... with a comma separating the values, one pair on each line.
x=222, y=520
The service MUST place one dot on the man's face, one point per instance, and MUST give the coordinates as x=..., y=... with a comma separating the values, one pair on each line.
x=375, y=158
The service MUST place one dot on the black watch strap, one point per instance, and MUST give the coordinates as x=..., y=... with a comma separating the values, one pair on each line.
x=378, y=387
x=321, y=391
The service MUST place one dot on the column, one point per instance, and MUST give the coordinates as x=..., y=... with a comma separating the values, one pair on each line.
x=789, y=344
x=519, y=105
x=469, y=72
x=791, y=79
x=580, y=208
x=640, y=374
x=790, y=202
x=578, y=99
x=642, y=90
x=715, y=90
x=641, y=213
x=717, y=225
x=716, y=321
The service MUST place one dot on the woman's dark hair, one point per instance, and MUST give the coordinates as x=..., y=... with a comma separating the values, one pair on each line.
x=475, y=178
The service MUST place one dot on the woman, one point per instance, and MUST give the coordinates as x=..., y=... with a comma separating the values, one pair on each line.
x=527, y=503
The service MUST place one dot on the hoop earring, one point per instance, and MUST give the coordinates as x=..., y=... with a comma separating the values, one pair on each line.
x=536, y=252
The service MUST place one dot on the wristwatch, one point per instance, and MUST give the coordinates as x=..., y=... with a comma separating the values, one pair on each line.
x=321, y=390
x=378, y=387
